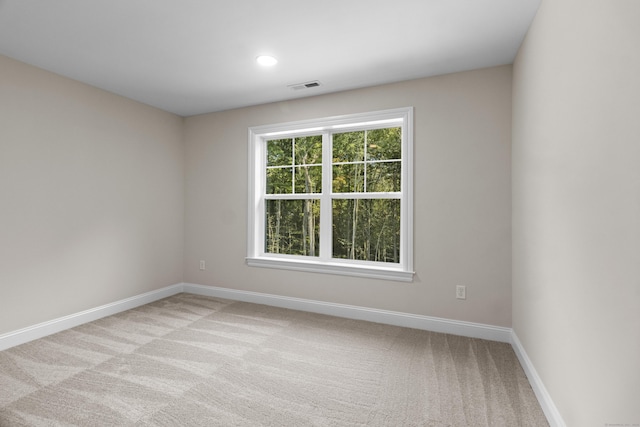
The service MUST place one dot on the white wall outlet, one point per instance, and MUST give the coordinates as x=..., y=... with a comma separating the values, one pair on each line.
x=461, y=292
x=202, y=265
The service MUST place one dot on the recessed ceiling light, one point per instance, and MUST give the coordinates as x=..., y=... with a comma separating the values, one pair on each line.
x=266, y=60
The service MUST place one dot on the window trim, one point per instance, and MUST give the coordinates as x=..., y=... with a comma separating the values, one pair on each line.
x=256, y=257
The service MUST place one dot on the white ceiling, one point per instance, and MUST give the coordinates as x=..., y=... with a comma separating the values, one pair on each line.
x=197, y=56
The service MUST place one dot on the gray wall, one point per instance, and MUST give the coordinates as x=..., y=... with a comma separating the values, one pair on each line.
x=576, y=207
x=91, y=197
x=462, y=198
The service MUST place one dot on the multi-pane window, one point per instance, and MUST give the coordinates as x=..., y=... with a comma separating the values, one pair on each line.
x=333, y=195
x=294, y=168
x=367, y=163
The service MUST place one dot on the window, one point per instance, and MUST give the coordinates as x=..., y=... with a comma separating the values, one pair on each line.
x=333, y=195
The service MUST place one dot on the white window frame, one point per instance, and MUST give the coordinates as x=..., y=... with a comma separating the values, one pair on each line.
x=258, y=135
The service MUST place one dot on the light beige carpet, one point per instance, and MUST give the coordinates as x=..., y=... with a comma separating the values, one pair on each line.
x=198, y=361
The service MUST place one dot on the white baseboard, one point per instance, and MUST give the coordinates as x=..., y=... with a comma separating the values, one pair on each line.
x=548, y=407
x=40, y=330
x=435, y=324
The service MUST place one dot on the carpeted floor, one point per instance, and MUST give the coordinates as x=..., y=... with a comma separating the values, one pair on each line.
x=196, y=361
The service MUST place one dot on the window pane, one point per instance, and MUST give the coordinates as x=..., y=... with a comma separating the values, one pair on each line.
x=348, y=147
x=383, y=177
x=279, y=152
x=366, y=229
x=348, y=178
x=308, y=150
x=292, y=227
x=308, y=179
x=384, y=144
x=279, y=180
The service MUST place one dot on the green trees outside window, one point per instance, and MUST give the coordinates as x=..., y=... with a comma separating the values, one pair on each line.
x=365, y=194
x=294, y=166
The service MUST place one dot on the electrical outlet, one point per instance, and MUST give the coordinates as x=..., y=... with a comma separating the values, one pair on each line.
x=461, y=292
x=202, y=264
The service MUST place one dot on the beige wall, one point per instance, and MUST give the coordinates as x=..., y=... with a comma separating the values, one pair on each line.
x=91, y=197
x=462, y=198
x=576, y=207
x=92, y=193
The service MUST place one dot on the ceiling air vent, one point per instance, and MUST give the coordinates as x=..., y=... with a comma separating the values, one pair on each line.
x=307, y=85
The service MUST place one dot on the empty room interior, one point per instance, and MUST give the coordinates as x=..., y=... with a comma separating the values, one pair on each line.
x=130, y=172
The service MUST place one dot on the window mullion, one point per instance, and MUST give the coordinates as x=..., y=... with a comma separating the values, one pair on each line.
x=364, y=184
x=293, y=165
x=325, y=201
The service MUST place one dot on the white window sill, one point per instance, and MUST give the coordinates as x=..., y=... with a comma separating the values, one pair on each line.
x=372, y=272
